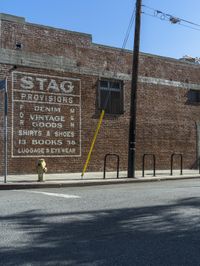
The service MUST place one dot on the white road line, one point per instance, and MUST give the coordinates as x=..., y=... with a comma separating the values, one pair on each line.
x=67, y=196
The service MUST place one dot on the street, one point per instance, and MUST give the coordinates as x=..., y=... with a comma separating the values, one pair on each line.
x=154, y=223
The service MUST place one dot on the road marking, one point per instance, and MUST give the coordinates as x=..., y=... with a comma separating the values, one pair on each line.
x=67, y=196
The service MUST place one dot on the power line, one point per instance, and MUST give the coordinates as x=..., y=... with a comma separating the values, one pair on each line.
x=129, y=29
x=130, y=25
x=171, y=18
x=187, y=26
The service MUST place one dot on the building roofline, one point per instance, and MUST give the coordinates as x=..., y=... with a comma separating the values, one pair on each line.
x=147, y=54
x=19, y=19
x=13, y=18
x=178, y=60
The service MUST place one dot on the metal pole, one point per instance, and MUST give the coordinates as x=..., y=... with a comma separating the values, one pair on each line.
x=199, y=164
x=93, y=142
x=6, y=131
x=132, y=123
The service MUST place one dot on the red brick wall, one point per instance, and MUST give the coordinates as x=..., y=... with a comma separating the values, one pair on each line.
x=165, y=121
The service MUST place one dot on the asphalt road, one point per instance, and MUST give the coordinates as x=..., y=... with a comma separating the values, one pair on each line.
x=154, y=224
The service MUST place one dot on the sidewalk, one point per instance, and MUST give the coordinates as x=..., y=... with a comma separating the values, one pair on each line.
x=90, y=179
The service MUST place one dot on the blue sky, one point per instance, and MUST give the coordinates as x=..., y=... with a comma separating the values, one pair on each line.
x=107, y=21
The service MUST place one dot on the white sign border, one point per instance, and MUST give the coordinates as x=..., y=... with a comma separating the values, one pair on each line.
x=12, y=118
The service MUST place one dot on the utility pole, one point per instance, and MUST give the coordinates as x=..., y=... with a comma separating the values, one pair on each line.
x=132, y=123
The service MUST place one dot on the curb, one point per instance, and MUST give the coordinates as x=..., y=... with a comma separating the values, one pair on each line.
x=82, y=183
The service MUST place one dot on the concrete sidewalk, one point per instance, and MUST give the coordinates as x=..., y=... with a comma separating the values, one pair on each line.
x=90, y=179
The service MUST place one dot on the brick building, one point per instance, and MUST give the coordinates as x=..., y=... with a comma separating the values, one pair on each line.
x=61, y=83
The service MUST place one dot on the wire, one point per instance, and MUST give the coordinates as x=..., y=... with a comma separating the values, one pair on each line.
x=168, y=15
x=128, y=29
x=189, y=27
x=131, y=21
x=150, y=15
x=121, y=52
x=173, y=19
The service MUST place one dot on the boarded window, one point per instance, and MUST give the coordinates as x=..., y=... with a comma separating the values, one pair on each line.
x=194, y=96
x=111, y=96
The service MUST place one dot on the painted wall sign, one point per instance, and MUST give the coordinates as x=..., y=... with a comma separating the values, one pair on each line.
x=46, y=116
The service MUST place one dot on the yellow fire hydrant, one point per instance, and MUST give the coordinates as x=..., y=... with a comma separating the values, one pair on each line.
x=41, y=169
